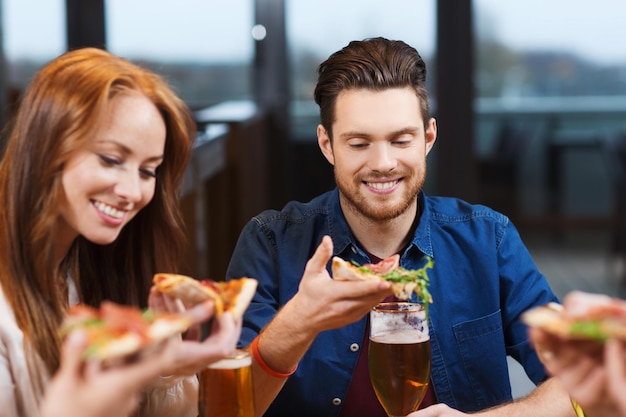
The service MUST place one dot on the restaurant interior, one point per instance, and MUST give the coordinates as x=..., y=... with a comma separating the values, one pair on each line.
x=530, y=106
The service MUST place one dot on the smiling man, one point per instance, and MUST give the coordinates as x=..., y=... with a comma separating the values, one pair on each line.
x=309, y=333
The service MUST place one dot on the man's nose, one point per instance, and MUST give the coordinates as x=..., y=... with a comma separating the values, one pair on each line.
x=383, y=158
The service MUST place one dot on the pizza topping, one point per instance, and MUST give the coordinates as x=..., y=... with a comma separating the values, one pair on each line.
x=590, y=329
x=600, y=323
x=211, y=285
x=385, y=266
x=402, y=275
x=125, y=319
x=164, y=281
x=404, y=282
x=115, y=330
x=592, y=306
x=230, y=292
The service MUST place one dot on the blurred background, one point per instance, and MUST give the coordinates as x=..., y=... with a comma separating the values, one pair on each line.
x=530, y=98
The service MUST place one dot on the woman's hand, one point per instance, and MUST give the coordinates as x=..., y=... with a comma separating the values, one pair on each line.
x=193, y=354
x=90, y=389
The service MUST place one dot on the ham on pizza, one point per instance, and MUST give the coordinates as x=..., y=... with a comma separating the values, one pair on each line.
x=599, y=323
x=116, y=331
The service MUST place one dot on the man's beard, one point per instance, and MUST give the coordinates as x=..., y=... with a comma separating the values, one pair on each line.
x=360, y=205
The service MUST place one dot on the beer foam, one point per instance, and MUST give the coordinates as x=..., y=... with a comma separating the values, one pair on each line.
x=235, y=362
x=383, y=322
x=405, y=337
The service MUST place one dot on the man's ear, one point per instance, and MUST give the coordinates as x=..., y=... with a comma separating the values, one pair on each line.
x=431, y=134
x=325, y=144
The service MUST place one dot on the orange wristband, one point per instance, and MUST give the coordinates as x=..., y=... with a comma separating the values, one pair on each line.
x=257, y=357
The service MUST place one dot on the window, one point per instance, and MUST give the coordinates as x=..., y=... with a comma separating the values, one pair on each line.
x=30, y=39
x=203, y=48
x=557, y=70
x=317, y=29
x=533, y=48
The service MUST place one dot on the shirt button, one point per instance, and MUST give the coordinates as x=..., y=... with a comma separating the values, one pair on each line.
x=354, y=347
x=336, y=401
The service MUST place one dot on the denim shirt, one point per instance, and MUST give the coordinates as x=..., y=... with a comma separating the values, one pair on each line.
x=483, y=279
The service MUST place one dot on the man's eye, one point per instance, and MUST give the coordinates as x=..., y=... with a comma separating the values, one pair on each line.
x=358, y=145
x=401, y=142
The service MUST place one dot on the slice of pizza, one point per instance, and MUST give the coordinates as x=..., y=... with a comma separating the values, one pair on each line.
x=233, y=296
x=115, y=331
x=600, y=323
x=404, y=282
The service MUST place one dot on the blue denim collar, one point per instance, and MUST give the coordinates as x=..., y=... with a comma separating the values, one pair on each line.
x=344, y=241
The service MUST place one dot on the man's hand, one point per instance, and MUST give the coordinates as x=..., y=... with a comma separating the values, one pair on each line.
x=324, y=303
x=321, y=303
x=437, y=410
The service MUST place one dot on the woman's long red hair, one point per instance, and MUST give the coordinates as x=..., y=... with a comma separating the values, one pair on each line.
x=62, y=107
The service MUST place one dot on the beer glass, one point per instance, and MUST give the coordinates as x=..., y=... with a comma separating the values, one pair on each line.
x=399, y=356
x=226, y=388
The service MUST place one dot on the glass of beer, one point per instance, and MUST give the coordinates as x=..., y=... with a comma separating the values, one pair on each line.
x=399, y=356
x=226, y=388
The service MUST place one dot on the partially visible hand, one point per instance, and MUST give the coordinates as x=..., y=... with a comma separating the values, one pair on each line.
x=592, y=372
x=561, y=356
x=580, y=368
x=194, y=355
x=324, y=303
x=82, y=389
x=437, y=410
x=615, y=362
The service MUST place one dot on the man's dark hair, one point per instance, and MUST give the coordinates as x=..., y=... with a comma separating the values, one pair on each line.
x=376, y=64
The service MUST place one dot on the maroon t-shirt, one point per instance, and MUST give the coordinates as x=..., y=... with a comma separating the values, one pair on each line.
x=361, y=399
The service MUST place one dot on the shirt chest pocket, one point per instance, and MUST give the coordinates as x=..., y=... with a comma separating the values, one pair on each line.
x=482, y=355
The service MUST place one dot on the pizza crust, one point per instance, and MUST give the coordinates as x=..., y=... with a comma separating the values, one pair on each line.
x=345, y=271
x=548, y=318
x=116, y=348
